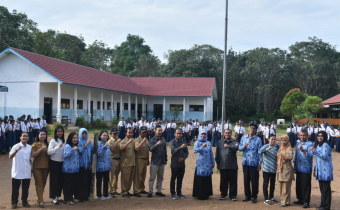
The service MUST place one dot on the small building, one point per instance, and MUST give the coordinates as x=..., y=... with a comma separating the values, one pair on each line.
x=40, y=85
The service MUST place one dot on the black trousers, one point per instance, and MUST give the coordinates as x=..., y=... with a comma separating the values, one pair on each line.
x=303, y=186
x=69, y=186
x=268, y=177
x=24, y=189
x=326, y=194
x=83, y=184
x=228, y=181
x=103, y=177
x=176, y=173
x=56, y=178
x=239, y=137
x=251, y=174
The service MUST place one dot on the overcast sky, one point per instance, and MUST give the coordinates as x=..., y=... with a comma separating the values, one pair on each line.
x=179, y=24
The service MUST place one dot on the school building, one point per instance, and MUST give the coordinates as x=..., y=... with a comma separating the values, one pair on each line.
x=39, y=85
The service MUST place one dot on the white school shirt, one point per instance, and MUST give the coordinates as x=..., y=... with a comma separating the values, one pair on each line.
x=332, y=133
x=21, y=165
x=322, y=126
x=290, y=130
x=43, y=123
x=337, y=133
x=196, y=124
x=317, y=130
x=18, y=126
x=129, y=125
x=163, y=127
x=56, y=152
x=24, y=127
x=11, y=127
x=37, y=126
x=310, y=130
x=235, y=128
x=121, y=124
x=217, y=129
x=241, y=130
x=173, y=125
x=228, y=126
x=268, y=132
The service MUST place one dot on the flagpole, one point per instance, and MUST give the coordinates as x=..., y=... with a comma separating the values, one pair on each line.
x=224, y=69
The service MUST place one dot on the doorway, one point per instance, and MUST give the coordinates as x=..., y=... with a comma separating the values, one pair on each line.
x=118, y=111
x=91, y=111
x=48, y=109
x=158, y=111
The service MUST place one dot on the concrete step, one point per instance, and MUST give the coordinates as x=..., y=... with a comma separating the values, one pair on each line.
x=72, y=128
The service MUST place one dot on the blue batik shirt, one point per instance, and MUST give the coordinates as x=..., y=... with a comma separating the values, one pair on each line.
x=323, y=163
x=304, y=163
x=71, y=160
x=104, y=157
x=205, y=158
x=251, y=156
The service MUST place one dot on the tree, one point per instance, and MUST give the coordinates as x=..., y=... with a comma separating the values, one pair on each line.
x=311, y=105
x=98, y=55
x=148, y=66
x=174, y=111
x=16, y=30
x=126, y=56
x=291, y=101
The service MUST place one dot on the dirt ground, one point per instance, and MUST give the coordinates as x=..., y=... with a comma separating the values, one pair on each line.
x=167, y=203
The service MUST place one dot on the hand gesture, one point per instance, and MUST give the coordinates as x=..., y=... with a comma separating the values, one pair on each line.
x=61, y=144
x=19, y=148
x=88, y=142
x=259, y=168
x=106, y=144
x=183, y=146
x=313, y=149
x=75, y=148
x=180, y=160
x=43, y=147
x=159, y=142
x=212, y=166
x=269, y=148
x=145, y=139
x=246, y=145
x=204, y=145
x=300, y=147
x=119, y=140
x=226, y=146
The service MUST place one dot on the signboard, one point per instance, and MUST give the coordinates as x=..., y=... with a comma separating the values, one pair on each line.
x=3, y=89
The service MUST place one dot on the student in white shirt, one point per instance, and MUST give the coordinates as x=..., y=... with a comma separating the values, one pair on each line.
x=240, y=132
x=236, y=129
x=291, y=134
x=215, y=134
x=267, y=132
x=228, y=125
x=43, y=122
x=56, y=150
x=196, y=126
x=21, y=170
x=37, y=127
x=121, y=128
x=273, y=127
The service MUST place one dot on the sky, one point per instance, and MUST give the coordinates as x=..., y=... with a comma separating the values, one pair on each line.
x=180, y=24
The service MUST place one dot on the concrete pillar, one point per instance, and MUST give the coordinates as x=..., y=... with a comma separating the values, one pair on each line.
x=183, y=109
x=58, y=116
x=112, y=115
x=75, y=114
x=205, y=110
x=163, y=108
x=136, y=107
x=129, y=106
x=101, y=105
x=143, y=108
x=89, y=106
x=121, y=106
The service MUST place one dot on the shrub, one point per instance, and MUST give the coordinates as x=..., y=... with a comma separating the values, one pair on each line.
x=80, y=121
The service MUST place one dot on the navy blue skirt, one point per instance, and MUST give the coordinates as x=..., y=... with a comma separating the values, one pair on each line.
x=11, y=138
x=136, y=134
x=292, y=139
x=31, y=139
x=171, y=134
x=215, y=138
x=337, y=144
x=121, y=133
x=313, y=137
x=2, y=142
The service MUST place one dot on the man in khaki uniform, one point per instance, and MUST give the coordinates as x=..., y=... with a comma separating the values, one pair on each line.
x=142, y=159
x=115, y=160
x=127, y=148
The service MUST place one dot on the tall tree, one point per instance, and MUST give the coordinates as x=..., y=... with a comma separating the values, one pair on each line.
x=16, y=30
x=126, y=56
x=291, y=101
x=98, y=55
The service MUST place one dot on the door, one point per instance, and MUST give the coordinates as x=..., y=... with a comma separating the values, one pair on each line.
x=48, y=109
x=140, y=111
x=118, y=110
x=91, y=111
x=158, y=111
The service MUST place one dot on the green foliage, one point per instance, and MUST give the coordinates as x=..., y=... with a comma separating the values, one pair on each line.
x=16, y=30
x=115, y=122
x=312, y=104
x=81, y=121
x=174, y=111
x=98, y=56
x=98, y=123
x=50, y=130
x=291, y=101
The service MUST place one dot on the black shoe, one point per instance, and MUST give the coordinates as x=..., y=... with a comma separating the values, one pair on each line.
x=283, y=205
x=25, y=204
x=117, y=193
x=254, y=200
x=223, y=197
x=137, y=195
x=305, y=205
x=41, y=206
x=149, y=195
x=246, y=199
x=14, y=206
x=160, y=194
x=297, y=202
x=143, y=192
x=126, y=196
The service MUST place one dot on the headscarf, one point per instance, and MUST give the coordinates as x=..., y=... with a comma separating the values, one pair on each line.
x=87, y=155
x=281, y=158
x=325, y=138
x=199, y=136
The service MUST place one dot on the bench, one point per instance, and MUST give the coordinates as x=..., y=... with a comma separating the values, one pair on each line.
x=64, y=120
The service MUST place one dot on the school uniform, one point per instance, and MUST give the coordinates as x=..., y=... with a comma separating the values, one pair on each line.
x=70, y=169
x=337, y=141
x=21, y=172
x=196, y=126
x=332, y=138
x=164, y=133
x=18, y=131
x=291, y=135
x=5, y=133
x=103, y=169
x=273, y=126
x=215, y=135
x=11, y=135
x=142, y=162
x=304, y=165
x=228, y=126
x=189, y=133
x=122, y=128
x=316, y=131
x=128, y=163
x=56, y=166
x=2, y=138
x=43, y=124
x=240, y=131
x=30, y=133
x=267, y=133
x=185, y=134
x=37, y=127
x=209, y=134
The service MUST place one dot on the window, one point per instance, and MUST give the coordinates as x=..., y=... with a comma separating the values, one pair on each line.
x=176, y=105
x=79, y=104
x=65, y=103
x=108, y=106
x=196, y=108
x=98, y=105
x=126, y=106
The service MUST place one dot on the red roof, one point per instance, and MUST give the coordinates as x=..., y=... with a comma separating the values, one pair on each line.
x=333, y=100
x=70, y=73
